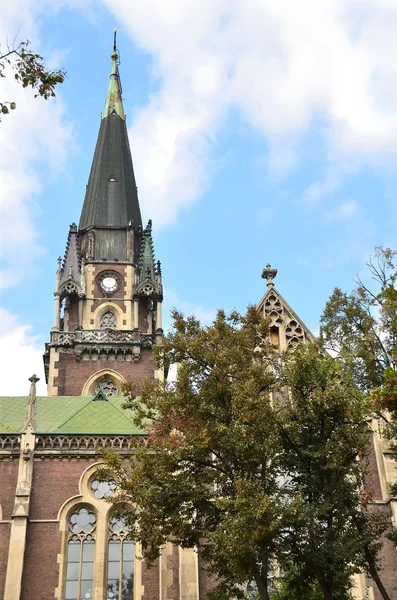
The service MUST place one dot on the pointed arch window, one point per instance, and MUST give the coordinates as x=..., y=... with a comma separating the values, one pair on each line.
x=81, y=552
x=108, y=320
x=121, y=552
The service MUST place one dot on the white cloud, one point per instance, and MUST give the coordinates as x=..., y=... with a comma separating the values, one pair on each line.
x=172, y=300
x=342, y=212
x=21, y=356
x=283, y=65
x=33, y=134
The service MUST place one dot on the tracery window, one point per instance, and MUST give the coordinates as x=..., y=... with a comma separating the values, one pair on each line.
x=103, y=489
x=121, y=550
x=81, y=551
x=108, y=320
x=98, y=558
x=108, y=387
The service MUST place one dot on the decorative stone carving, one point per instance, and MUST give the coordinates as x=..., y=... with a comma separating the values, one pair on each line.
x=10, y=442
x=274, y=310
x=293, y=332
x=91, y=246
x=69, y=288
x=108, y=321
x=77, y=443
x=65, y=339
x=97, y=335
x=147, y=289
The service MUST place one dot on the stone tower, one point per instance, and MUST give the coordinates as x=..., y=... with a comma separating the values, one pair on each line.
x=108, y=289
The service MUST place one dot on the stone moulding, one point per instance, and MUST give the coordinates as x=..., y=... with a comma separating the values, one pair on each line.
x=102, y=336
x=71, y=445
x=10, y=443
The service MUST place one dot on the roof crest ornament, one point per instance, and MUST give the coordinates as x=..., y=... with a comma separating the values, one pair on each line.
x=269, y=274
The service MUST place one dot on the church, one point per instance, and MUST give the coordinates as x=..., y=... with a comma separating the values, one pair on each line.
x=58, y=537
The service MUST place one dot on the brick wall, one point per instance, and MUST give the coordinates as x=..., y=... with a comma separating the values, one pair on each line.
x=54, y=482
x=8, y=484
x=388, y=553
x=73, y=374
x=5, y=529
x=151, y=581
x=41, y=569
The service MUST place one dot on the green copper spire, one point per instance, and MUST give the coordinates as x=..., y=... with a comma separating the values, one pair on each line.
x=113, y=102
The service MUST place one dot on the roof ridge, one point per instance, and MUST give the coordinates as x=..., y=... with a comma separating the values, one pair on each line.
x=121, y=411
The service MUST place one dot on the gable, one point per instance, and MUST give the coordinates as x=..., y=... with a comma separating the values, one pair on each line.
x=283, y=319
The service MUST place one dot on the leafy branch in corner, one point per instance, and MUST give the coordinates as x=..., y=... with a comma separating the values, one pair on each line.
x=30, y=71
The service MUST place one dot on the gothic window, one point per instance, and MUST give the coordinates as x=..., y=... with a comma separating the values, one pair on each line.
x=108, y=321
x=108, y=387
x=121, y=550
x=103, y=489
x=81, y=549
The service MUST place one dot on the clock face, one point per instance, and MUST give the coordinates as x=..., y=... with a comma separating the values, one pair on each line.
x=109, y=282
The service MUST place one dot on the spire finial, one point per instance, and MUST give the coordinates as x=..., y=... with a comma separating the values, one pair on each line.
x=114, y=56
x=30, y=416
x=269, y=274
x=113, y=103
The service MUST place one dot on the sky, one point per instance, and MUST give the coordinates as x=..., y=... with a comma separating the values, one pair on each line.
x=261, y=131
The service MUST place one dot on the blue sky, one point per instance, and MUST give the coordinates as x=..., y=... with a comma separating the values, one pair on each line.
x=260, y=132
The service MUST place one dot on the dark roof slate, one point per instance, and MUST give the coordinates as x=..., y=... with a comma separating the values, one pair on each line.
x=111, y=198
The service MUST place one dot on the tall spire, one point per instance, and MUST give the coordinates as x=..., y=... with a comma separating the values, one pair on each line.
x=111, y=198
x=113, y=100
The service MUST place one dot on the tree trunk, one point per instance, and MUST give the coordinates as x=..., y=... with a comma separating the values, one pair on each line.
x=375, y=576
x=262, y=588
x=371, y=564
x=327, y=590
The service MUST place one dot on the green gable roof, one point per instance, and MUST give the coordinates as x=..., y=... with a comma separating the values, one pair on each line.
x=68, y=415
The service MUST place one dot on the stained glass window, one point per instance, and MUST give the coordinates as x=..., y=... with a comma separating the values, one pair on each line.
x=121, y=550
x=81, y=549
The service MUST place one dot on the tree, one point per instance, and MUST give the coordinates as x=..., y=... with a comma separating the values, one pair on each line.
x=245, y=472
x=323, y=432
x=208, y=475
x=30, y=71
x=361, y=327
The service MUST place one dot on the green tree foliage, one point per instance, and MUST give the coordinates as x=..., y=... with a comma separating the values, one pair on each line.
x=361, y=327
x=209, y=474
x=250, y=474
x=323, y=432
x=29, y=71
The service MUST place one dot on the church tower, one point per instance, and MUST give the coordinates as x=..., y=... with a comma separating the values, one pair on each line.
x=108, y=289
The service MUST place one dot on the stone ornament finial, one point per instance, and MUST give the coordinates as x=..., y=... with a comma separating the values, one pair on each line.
x=34, y=379
x=30, y=416
x=269, y=274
